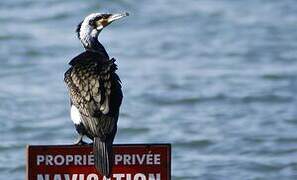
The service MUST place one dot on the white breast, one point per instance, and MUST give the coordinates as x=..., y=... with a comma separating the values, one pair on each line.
x=75, y=115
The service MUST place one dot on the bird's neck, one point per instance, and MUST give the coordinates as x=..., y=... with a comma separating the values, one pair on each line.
x=92, y=44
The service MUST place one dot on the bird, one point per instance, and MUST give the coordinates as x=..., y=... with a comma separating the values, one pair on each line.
x=95, y=90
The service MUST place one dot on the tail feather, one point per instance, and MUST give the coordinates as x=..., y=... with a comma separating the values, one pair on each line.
x=103, y=156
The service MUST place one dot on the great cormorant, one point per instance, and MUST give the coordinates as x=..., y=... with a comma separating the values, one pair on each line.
x=95, y=90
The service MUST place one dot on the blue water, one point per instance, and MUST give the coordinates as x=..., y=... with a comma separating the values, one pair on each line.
x=217, y=79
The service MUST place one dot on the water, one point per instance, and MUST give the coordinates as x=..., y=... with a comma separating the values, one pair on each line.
x=215, y=78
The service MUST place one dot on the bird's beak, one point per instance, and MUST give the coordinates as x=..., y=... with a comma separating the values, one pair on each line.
x=106, y=21
x=114, y=17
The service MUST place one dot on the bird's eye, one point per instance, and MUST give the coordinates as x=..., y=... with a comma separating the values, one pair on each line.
x=105, y=16
x=92, y=22
x=98, y=18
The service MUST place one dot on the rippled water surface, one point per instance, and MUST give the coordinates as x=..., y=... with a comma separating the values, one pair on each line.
x=217, y=79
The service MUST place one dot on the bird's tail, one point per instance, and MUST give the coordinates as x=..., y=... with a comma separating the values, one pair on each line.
x=103, y=156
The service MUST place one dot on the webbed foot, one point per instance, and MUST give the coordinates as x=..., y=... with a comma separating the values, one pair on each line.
x=79, y=141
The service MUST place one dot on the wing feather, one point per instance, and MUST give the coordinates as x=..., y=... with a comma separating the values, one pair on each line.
x=89, y=85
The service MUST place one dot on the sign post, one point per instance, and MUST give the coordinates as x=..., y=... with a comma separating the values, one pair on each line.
x=72, y=162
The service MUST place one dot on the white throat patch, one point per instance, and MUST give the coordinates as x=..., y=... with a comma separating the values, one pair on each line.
x=87, y=32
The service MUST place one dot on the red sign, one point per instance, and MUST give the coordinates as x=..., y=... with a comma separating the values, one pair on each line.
x=71, y=162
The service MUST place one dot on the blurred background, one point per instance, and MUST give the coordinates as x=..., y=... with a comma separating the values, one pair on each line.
x=216, y=79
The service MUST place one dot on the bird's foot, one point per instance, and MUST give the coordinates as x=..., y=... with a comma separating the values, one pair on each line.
x=80, y=141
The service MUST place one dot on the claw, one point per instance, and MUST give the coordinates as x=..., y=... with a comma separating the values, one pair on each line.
x=81, y=143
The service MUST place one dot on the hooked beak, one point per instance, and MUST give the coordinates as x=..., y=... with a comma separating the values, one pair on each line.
x=106, y=21
x=114, y=17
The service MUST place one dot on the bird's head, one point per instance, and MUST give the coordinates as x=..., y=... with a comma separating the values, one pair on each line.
x=89, y=29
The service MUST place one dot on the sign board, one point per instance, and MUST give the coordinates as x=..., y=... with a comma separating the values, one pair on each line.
x=73, y=162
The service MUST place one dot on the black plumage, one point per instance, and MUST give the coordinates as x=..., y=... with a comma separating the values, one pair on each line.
x=95, y=91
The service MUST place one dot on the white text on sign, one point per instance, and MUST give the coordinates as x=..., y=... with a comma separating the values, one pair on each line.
x=83, y=160
x=138, y=176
